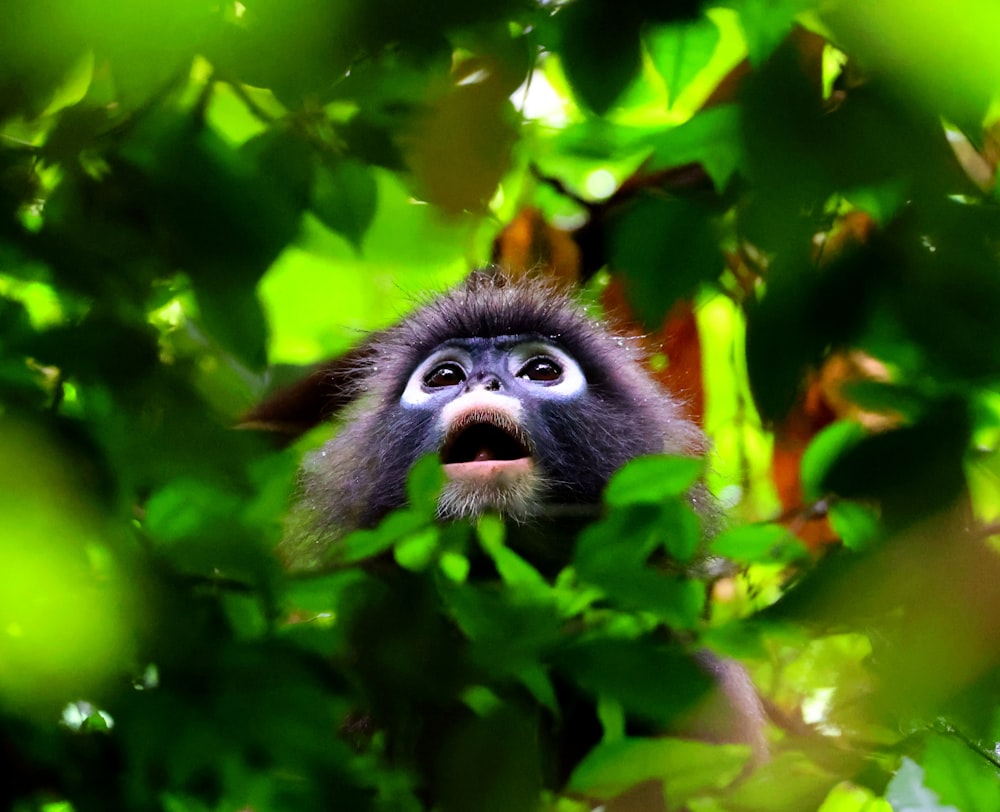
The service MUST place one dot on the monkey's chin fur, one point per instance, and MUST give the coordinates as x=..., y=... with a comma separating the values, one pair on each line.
x=508, y=487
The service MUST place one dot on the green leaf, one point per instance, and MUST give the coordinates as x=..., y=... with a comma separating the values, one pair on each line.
x=418, y=550
x=766, y=24
x=918, y=49
x=653, y=681
x=711, y=138
x=364, y=544
x=245, y=614
x=235, y=317
x=680, y=527
x=600, y=50
x=344, y=197
x=789, y=782
x=960, y=776
x=686, y=768
x=823, y=452
x=680, y=52
x=857, y=525
x=423, y=485
x=652, y=479
x=461, y=145
x=184, y=508
x=455, y=566
x=759, y=543
x=514, y=570
x=319, y=594
x=666, y=248
x=492, y=763
x=912, y=471
x=848, y=797
x=625, y=538
x=509, y=638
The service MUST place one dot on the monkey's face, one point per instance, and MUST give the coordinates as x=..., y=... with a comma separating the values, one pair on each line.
x=491, y=402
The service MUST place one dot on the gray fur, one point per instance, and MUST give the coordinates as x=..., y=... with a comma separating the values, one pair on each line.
x=359, y=476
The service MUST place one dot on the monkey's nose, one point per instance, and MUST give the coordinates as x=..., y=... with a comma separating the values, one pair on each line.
x=487, y=381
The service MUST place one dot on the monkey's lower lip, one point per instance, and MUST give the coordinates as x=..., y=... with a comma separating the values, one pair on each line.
x=490, y=470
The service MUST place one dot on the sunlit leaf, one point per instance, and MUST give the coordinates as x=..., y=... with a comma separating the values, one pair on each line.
x=679, y=52
x=652, y=479
x=758, y=543
x=711, y=138
x=960, y=776
x=855, y=524
x=920, y=44
x=765, y=24
x=417, y=550
x=684, y=767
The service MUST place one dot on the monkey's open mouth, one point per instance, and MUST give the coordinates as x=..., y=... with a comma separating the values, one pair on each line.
x=482, y=442
x=485, y=445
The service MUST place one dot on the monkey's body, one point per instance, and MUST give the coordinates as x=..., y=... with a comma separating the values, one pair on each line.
x=531, y=406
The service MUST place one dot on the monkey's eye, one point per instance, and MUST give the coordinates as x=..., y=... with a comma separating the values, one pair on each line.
x=541, y=369
x=447, y=374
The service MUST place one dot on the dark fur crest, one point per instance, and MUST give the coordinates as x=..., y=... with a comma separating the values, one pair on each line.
x=359, y=475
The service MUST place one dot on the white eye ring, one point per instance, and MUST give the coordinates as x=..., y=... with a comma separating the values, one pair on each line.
x=417, y=393
x=572, y=381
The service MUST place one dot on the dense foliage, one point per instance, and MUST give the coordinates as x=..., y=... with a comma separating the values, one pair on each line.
x=200, y=197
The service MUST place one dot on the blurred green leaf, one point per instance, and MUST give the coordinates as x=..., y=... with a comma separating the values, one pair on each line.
x=711, y=138
x=320, y=593
x=459, y=146
x=612, y=554
x=514, y=570
x=679, y=52
x=787, y=783
x=666, y=248
x=492, y=764
x=686, y=768
x=855, y=524
x=960, y=776
x=835, y=440
x=344, y=198
x=758, y=544
x=417, y=550
x=424, y=482
x=913, y=471
x=654, y=681
x=364, y=544
x=600, y=50
x=652, y=479
x=919, y=44
x=766, y=24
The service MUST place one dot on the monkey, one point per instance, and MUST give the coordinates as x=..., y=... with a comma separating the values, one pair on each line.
x=531, y=404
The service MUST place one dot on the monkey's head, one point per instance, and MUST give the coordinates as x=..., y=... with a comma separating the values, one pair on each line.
x=529, y=403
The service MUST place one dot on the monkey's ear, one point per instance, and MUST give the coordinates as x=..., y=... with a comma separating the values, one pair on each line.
x=292, y=410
